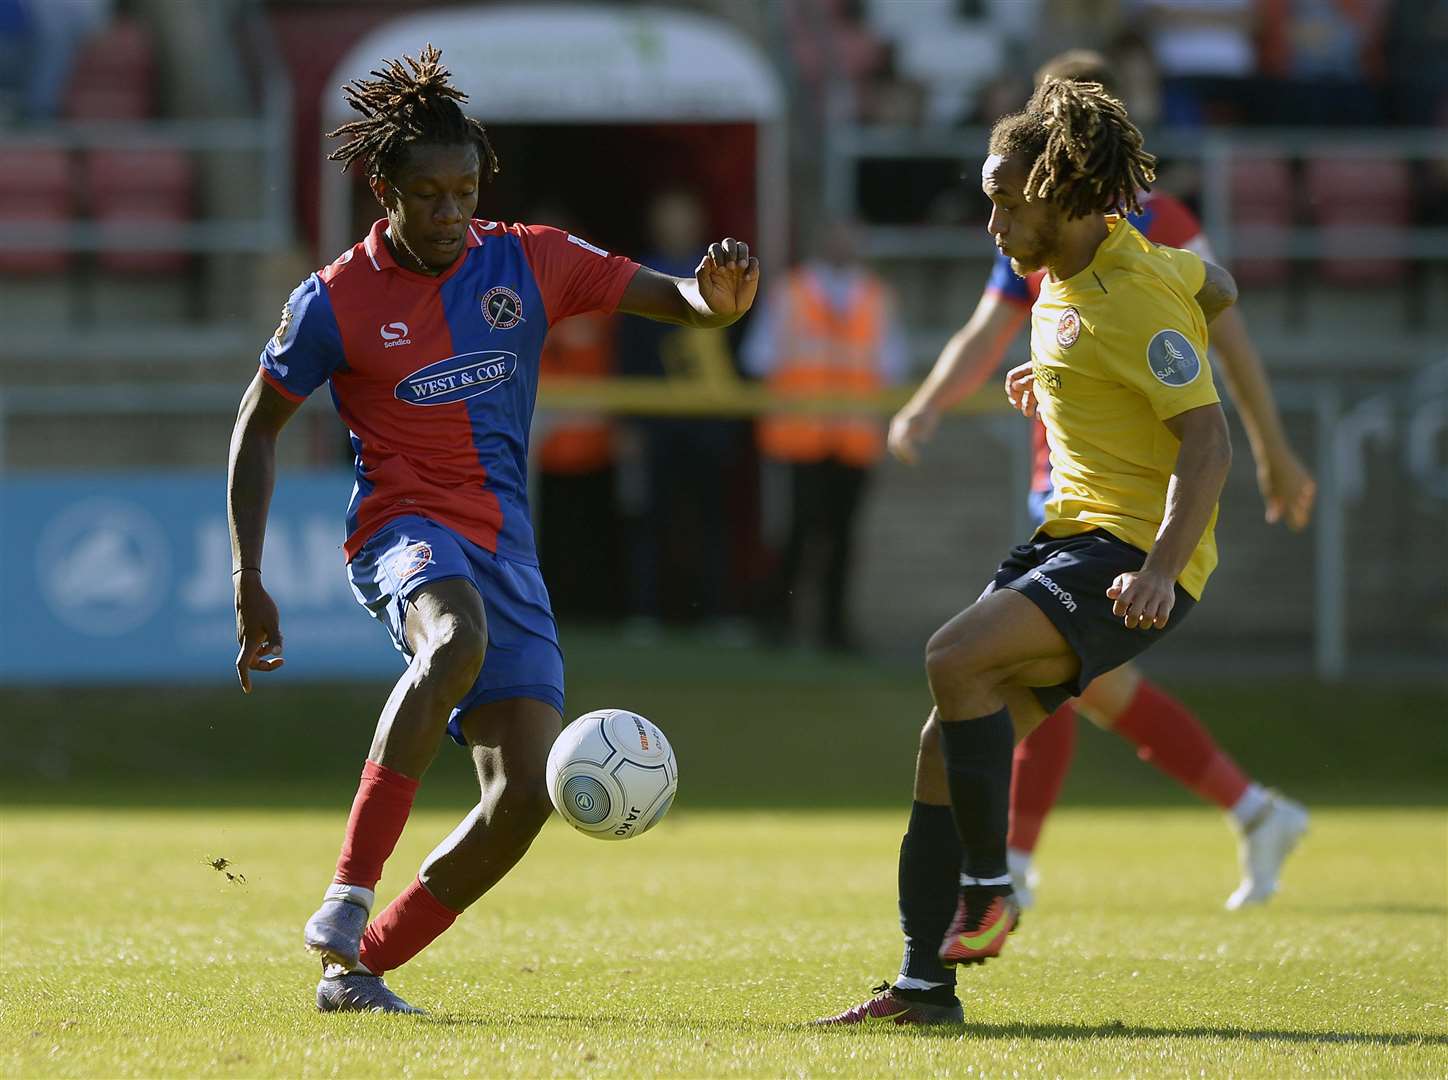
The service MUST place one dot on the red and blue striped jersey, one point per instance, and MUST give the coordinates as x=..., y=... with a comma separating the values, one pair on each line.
x=436, y=377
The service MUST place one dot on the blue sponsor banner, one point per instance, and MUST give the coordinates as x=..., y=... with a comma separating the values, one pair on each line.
x=126, y=577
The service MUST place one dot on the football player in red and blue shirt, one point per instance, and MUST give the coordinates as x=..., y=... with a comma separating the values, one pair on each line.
x=428, y=334
x=1163, y=729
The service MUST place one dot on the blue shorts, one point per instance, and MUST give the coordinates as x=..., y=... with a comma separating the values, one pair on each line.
x=523, y=659
x=1067, y=578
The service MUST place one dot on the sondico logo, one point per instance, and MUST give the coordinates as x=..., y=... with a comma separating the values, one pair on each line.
x=394, y=334
x=1067, y=600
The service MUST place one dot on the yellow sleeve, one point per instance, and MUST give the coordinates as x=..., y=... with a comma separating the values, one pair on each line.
x=1158, y=347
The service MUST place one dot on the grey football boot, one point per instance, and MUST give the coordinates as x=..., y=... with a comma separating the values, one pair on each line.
x=334, y=932
x=357, y=991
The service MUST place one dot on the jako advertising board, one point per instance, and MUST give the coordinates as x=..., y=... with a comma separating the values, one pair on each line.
x=126, y=577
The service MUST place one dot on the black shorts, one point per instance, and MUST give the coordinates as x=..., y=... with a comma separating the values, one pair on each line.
x=1068, y=579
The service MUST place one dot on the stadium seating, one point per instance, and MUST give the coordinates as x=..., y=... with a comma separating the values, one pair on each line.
x=1347, y=193
x=1262, y=205
x=114, y=76
x=128, y=187
x=38, y=190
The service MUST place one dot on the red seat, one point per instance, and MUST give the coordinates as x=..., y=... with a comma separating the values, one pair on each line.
x=1262, y=204
x=37, y=183
x=140, y=187
x=1356, y=193
x=114, y=76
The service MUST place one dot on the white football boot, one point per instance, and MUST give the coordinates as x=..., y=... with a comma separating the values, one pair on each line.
x=1264, y=846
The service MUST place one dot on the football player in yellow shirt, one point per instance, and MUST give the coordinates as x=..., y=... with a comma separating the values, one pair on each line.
x=1139, y=450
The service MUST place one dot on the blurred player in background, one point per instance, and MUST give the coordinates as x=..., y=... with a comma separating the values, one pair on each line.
x=1164, y=731
x=1141, y=449
x=429, y=333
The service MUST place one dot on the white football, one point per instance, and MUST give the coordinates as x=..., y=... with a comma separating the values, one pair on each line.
x=612, y=774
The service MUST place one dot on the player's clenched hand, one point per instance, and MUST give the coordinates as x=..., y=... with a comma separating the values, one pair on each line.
x=1143, y=600
x=728, y=277
x=1288, y=489
x=258, y=629
x=1021, y=389
x=909, y=430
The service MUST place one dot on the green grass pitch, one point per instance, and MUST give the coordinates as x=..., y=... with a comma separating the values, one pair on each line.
x=764, y=900
x=701, y=950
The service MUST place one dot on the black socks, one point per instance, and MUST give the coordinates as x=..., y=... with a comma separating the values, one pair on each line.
x=978, y=769
x=929, y=887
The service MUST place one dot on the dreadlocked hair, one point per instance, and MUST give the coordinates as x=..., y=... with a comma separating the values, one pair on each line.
x=1085, y=154
x=410, y=101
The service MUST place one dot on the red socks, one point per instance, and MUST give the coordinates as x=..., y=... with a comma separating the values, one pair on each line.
x=409, y=925
x=1167, y=735
x=416, y=917
x=1039, y=769
x=384, y=799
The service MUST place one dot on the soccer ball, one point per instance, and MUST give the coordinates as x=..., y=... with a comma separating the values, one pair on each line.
x=612, y=774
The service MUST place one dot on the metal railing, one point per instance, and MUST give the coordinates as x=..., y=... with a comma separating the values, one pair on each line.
x=266, y=227
x=1410, y=415
x=847, y=145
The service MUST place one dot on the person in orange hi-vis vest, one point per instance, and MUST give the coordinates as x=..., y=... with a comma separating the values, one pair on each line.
x=577, y=511
x=828, y=330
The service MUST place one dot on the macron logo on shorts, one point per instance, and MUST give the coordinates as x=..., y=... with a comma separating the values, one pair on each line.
x=1067, y=601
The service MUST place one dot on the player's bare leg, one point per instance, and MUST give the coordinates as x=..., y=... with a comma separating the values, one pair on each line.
x=509, y=741
x=1166, y=734
x=980, y=665
x=447, y=633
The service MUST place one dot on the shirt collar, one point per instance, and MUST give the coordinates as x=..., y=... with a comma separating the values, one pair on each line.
x=376, y=249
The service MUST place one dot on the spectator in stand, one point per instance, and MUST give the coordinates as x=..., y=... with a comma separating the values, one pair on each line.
x=1416, y=47
x=1207, y=56
x=1138, y=78
x=60, y=28
x=828, y=330
x=578, y=546
x=15, y=46
x=1323, y=57
x=679, y=553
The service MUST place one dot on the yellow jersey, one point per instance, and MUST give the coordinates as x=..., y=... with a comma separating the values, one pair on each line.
x=1116, y=350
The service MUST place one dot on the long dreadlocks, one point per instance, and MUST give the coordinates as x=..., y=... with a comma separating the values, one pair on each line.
x=402, y=106
x=1085, y=154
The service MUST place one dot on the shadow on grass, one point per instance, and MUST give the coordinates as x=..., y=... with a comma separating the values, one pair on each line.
x=1037, y=1032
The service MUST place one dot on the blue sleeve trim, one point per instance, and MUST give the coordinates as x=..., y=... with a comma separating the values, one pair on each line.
x=307, y=346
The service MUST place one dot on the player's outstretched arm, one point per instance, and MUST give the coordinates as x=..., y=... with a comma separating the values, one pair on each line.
x=967, y=360
x=722, y=289
x=1144, y=599
x=1287, y=488
x=1218, y=291
x=251, y=475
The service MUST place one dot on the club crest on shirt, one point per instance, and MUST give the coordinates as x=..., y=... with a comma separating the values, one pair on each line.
x=502, y=308
x=1068, y=328
x=410, y=560
x=1172, y=358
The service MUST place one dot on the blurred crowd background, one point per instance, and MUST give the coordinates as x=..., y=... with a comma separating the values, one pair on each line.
x=164, y=189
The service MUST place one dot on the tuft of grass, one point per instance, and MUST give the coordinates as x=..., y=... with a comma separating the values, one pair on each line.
x=702, y=949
